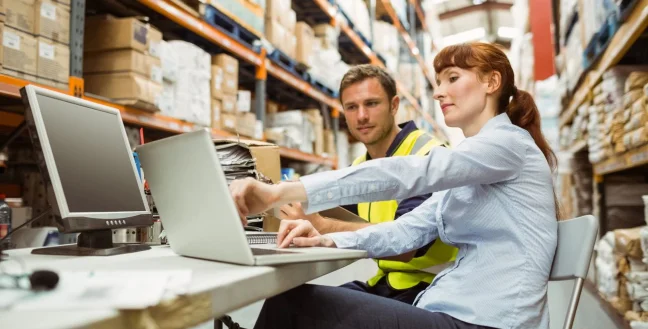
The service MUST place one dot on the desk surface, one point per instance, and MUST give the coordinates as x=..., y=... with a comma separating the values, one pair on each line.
x=215, y=289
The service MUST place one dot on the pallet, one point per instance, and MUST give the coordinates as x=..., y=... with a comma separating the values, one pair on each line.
x=284, y=61
x=353, y=27
x=321, y=87
x=229, y=26
x=600, y=40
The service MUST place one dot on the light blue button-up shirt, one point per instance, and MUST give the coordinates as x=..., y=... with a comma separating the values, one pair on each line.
x=498, y=209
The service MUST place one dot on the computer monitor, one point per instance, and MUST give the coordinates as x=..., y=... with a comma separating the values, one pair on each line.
x=87, y=166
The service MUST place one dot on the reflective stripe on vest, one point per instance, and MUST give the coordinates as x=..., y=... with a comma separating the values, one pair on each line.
x=401, y=275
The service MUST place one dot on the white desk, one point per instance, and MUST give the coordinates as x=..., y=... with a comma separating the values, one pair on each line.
x=216, y=288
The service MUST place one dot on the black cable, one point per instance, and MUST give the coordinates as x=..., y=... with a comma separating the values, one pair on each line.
x=46, y=212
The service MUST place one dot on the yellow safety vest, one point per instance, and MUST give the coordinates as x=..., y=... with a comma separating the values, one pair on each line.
x=401, y=275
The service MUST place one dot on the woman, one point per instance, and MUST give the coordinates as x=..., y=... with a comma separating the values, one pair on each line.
x=499, y=210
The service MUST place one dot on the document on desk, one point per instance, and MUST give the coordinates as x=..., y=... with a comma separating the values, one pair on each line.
x=108, y=290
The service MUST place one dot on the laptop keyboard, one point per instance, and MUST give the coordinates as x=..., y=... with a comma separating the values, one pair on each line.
x=261, y=252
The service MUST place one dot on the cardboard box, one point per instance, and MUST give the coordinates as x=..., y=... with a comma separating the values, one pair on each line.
x=327, y=35
x=53, y=60
x=229, y=103
x=217, y=82
x=20, y=52
x=275, y=33
x=228, y=63
x=216, y=113
x=20, y=15
x=271, y=107
x=288, y=20
x=329, y=142
x=124, y=60
x=107, y=32
x=291, y=46
x=155, y=39
x=317, y=123
x=267, y=158
x=65, y=86
x=244, y=101
x=125, y=88
x=66, y=3
x=305, y=40
x=230, y=84
x=276, y=8
x=52, y=21
x=246, y=124
x=228, y=121
x=2, y=28
x=3, y=12
x=243, y=124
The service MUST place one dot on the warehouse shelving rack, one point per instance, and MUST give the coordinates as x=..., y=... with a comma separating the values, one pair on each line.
x=262, y=75
x=330, y=12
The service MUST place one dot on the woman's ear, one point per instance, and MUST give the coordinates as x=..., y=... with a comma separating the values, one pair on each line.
x=494, y=82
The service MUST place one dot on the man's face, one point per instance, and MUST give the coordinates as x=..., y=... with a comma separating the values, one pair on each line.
x=368, y=111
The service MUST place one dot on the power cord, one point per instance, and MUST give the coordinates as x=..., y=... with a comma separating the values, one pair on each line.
x=41, y=215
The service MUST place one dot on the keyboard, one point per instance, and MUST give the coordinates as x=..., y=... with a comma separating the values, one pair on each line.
x=262, y=252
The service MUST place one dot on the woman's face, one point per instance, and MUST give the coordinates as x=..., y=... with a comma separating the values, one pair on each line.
x=461, y=95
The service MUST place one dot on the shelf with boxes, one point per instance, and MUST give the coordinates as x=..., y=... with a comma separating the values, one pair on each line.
x=331, y=24
x=10, y=87
x=35, y=41
x=618, y=46
x=413, y=48
x=216, y=37
x=608, y=106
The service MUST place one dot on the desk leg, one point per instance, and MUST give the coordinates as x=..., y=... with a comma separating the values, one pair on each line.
x=218, y=324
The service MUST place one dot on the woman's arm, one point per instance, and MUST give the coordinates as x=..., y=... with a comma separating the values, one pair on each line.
x=483, y=159
x=410, y=232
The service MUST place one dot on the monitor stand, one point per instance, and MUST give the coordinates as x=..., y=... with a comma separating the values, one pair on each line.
x=93, y=243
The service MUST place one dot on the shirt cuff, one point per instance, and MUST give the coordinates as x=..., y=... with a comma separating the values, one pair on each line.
x=344, y=240
x=321, y=191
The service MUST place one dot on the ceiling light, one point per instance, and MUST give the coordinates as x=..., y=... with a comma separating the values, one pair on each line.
x=507, y=32
x=465, y=36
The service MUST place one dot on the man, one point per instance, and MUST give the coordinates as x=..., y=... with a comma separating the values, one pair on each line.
x=368, y=96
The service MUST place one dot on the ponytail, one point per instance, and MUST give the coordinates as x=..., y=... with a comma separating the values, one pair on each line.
x=524, y=113
x=485, y=58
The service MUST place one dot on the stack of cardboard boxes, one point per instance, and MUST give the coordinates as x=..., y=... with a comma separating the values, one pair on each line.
x=36, y=38
x=305, y=42
x=231, y=108
x=121, y=61
x=280, y=23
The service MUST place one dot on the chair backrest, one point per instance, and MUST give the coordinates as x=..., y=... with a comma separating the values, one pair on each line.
x=576, y=238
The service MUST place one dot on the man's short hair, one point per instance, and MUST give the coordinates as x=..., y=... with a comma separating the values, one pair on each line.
x=363, y=72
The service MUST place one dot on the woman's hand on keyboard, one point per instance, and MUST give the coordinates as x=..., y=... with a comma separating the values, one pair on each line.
x=301, y=233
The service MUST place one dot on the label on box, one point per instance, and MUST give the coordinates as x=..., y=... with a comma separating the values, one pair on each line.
x=48, y=11
x=155, y=49
x=139, y=34
x=46, y=50
x=230, y=123
x=230, y=69
x=11, y=40
x=156, y=74
x=230, y=84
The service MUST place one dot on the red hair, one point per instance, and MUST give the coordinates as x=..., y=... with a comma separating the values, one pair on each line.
x=485, y=58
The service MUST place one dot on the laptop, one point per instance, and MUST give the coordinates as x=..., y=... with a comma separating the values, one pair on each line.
x=197, y=210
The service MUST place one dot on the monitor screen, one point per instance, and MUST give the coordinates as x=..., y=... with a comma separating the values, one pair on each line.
x=94, y=164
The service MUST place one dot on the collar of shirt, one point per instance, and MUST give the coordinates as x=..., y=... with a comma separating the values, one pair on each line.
x=406, y=129
x=495, y=122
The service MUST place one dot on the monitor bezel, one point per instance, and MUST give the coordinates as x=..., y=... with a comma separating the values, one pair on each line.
x=31, y=91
